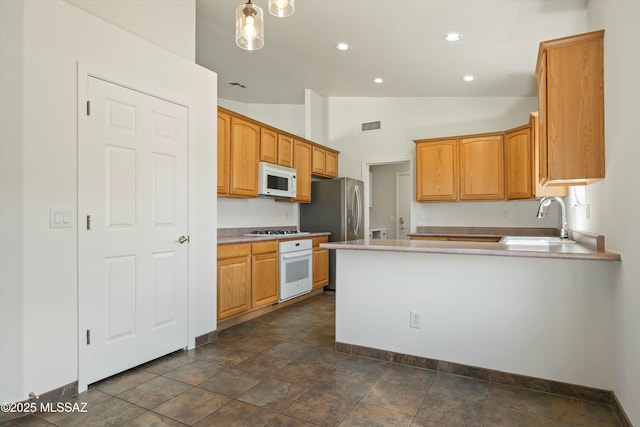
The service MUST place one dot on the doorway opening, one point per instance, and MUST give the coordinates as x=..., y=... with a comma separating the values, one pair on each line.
x=388, y=192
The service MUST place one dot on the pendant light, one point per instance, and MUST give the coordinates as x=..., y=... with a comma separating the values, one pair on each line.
x=249, y=26
x=281, y=8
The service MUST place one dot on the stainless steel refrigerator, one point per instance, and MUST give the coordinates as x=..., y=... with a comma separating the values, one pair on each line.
x=337, y=206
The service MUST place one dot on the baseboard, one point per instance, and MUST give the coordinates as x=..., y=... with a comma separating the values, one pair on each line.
x=498, y=377
x=53, y=396
x=206, y=338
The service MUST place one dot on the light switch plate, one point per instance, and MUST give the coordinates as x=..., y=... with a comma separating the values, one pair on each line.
x=60, y=218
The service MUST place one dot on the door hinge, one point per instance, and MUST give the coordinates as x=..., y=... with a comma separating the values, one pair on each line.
x=88, y=336
x=88, y=222
x=88, y=108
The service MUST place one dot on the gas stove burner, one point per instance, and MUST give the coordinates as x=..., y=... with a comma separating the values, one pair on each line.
x=281, y=232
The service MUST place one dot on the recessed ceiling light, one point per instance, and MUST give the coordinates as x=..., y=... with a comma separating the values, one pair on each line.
x=378, y=80
x=453, y=37
x=468, y=78
x=342, y=46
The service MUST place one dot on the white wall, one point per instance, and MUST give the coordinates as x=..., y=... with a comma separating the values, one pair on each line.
x=406, y=119
x=316, y=117
x=11, y=200
x=56, y=35
x=286, y=117
x=615, y=201
x=492, y=312
x=170, y=24
x=238, y=213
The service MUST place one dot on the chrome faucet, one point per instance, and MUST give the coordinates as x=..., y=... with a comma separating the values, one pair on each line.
x=546, y=201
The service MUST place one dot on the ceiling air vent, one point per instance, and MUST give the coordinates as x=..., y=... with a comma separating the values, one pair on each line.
x=370, y=127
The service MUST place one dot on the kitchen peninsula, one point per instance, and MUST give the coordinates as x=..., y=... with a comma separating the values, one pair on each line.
x=534, y=312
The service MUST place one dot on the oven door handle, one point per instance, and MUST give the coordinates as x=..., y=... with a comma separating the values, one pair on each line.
x=299, y=254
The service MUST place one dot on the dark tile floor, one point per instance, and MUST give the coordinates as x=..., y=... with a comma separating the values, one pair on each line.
x=281, y=370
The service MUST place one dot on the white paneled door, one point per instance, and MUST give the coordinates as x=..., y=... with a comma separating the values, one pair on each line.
x=133, y=211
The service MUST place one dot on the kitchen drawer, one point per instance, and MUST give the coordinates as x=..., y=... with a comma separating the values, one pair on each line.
x=234, y=250
x=264, y=247
x=319, y=239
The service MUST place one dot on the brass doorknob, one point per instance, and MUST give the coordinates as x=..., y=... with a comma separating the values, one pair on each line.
x=183, y=239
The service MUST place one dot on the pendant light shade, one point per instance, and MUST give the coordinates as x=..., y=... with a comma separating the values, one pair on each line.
x=249, y=26
x=281, y=8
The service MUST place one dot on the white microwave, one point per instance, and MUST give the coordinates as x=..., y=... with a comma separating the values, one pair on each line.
x=276, y=181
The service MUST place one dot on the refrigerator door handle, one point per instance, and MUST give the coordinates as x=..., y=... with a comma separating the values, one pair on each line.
x=358, y=212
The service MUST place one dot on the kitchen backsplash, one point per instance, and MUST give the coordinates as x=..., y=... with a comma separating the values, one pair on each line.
x=259, y=212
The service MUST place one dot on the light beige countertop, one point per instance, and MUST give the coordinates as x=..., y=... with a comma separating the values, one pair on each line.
x=236, y=235
x=588, y=247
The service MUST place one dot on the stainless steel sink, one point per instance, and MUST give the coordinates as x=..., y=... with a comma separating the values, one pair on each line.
x=535, y=240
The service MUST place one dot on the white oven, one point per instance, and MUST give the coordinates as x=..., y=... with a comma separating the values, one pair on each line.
x=296, y=269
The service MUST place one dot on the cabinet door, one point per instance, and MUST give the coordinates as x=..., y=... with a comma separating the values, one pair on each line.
x=437, y=170
x=234, y=286
x=482, y=168
x=331, y=164
x=543, y=166
x=244, y=154
x=538, y=189
x=320, y=267
x=302, y=162
x=571, y=78
x=518, y=156
x=285, y=150
x=264, y=270
x=268, y=146
x=224, y=142
x=318, y=164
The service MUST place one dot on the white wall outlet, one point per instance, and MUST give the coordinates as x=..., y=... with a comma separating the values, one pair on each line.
x=415, y=319
x=505, y=214
x=458, y=215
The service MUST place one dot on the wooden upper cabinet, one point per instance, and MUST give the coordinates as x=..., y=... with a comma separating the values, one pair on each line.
x=570, y=74
x=482, y=168
x=331, y=163
x=325, y=162
x=437, y=170
x=224, y=145
x=519, y=163
x=302, y=157
x=243, y=143
x=538, y=189
x=244, y=155
x=268, y=145
x=318, y=164
x=285, y=150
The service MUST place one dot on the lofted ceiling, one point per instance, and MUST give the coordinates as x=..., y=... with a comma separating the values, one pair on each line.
x=401, y=41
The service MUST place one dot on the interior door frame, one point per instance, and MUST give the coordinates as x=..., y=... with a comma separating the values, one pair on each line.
x=366, y=168
x=84, y=71
x=398, y=175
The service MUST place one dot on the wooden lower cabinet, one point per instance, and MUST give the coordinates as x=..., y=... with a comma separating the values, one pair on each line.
x=320, y=262
x=264, y=273
x=249, y=279
x=234, y=279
